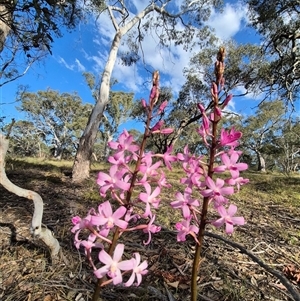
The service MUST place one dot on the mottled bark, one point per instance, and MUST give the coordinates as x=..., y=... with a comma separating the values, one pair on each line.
x=5, y=21
x=261, y=162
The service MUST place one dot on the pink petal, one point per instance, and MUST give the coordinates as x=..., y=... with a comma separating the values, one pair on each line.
x=219, y=222
x=126, y=265
x=238, y=220
x=130, y=280
x=219, y=183
x=229, y=228
x=118, y=252
x=120, y=223
x=241, y=166
x=105, y=257
x=101, y=272
x=234, y=157
x=206, y=192
x=227, y=190
x=222, y=211
x=220, y=168
x=118, y=277
x=225, y=159
x=120, y=212
x=106, y=209
x=232, y=209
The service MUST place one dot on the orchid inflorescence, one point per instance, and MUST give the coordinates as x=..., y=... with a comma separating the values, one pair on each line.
x=106, y=224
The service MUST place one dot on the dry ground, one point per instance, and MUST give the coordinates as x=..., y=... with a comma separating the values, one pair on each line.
x=270, y=204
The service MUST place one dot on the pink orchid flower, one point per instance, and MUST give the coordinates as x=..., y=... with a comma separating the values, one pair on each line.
x=229, y=138
x=149, y=197
x=216, y=191
x=138, y=270
x=168, y=157
x=185, y=229
x=237, y=181
x=112, y=181
x=231, y=165
x=124, y=143
x=227, y=217
x=151, y=229
x=113, y=265
x=108, y=218
x=185, y=202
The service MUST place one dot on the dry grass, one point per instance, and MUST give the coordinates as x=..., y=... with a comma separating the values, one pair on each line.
x=270, y=204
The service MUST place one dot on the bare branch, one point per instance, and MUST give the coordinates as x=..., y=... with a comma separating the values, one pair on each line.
x=295, y=294
x=112, y=17
x=36, y=225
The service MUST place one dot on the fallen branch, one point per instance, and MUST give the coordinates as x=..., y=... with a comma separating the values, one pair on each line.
x=289, y=286
x=36, y=228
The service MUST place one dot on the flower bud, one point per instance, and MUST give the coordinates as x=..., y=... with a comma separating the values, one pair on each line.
x=162, y=107
x=167, y=131
x=227, y=100
x=214, y=89
x=144, y=103
x=157, y=126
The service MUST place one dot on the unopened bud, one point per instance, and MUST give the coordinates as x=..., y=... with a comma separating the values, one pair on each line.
x=162, y=107
x=200, y=107
x=157, y=126
x=214, y=89
x=227, y=100
x=144, y=104
x=167, y=131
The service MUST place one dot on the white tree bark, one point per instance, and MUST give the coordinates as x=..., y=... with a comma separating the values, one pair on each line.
x=81, y=167
x=36, y=225
x=4, y=28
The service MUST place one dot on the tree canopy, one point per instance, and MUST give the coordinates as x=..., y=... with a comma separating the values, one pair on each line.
x=278, y=22
x=58, y=118
x=28, y=29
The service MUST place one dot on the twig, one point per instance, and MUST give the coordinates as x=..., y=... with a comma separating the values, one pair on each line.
x=295, y=294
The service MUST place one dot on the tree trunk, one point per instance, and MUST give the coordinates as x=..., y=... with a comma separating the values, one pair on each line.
x=261, y=162
x=4, y=27
x=81, y=167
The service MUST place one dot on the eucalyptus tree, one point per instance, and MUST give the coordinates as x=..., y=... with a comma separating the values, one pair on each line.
x=286, y=146
x=278, y=23
x=259, y=130
x=116, y=112
x=26, y=140
x=244, y=63
x=27, y=30
x=166, y=20
x=60, y=118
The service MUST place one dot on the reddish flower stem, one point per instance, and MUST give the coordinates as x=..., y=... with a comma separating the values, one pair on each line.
x=219, y=70
x=96, y=294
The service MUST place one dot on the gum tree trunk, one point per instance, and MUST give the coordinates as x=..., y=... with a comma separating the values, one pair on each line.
x=261, y=162
x=4, y=27
x=81, y=167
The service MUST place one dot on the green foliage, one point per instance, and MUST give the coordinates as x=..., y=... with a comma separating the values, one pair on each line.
x=278, y=22
x=270, y=137
x=28, y=29
x=58, y=119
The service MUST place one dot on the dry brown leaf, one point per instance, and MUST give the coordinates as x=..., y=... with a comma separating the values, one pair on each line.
x=173, y=284
x=48, y=298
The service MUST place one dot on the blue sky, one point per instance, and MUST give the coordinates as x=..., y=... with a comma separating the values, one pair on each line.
x=86, y=49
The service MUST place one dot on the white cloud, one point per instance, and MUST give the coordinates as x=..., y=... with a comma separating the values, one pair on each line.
x=228, y=22
x=63, y=62
x=73, y=67
x=171, y=61
x=80, y=67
